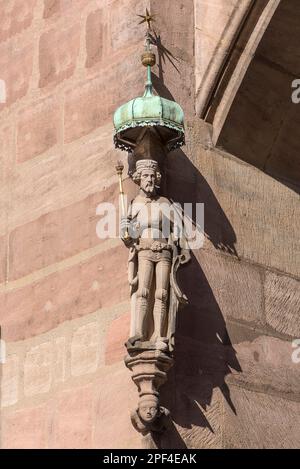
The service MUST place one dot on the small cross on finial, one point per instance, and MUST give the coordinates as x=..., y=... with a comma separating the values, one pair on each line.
x=147, y=18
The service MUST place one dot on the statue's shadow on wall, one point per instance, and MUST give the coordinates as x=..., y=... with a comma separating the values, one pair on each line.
x=204, y=355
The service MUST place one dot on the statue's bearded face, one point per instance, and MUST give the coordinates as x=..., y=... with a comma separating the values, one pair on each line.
x=147, y=184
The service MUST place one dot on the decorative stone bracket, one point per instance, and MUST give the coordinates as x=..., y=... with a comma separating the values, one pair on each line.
x=149, y=371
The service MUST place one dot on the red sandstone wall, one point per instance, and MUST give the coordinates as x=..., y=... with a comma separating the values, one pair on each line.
x=63, y=293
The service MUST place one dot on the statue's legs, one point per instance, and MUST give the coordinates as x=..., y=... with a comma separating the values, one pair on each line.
x=163, y=268
x=145, y=276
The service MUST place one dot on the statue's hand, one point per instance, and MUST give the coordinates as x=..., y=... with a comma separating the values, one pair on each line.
x=125, y=229
x=185, y=256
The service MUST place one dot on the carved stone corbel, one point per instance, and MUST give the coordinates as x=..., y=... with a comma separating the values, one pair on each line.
x=149, y=371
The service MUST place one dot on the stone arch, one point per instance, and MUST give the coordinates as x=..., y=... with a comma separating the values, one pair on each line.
x=251, y=110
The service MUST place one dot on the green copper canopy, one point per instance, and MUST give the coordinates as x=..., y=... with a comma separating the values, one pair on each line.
x=166, y=115
x=149, y=110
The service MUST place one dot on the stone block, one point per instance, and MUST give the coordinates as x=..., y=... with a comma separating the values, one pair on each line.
x=56, y=7
x=117, y=335
x=122, y=29
x=267, y=366
x=282, y=303
x=86, y=108
x=245, y=212
x=85, y=349
x=3, y=258
x=56, y=235
x=16, y=69
x=92, y=103
x=38, y=369
x=9, y=381
x=76, y=291
x=261, y=421
x=73, y=419
x=58, y=52
x=39, y=128
x=237, y=286
x=17, y=15
x=116, y=397
x=26, y=429
x=59, y=359
x=199, y=425
x=51, y=7
x=95, y=29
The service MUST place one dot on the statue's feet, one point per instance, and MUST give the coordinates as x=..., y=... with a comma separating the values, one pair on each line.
x=162, y=343
x=132, y=340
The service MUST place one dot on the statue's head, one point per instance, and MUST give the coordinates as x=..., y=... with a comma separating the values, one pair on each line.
x=148, y=408
x=147, y=176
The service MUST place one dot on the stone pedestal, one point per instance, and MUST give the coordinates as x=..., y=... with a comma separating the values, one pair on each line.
x=149, y=371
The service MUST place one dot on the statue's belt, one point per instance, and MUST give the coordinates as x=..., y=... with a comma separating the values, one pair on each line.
x=154, y=246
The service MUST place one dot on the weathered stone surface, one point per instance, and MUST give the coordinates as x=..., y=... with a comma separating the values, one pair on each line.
x=92, y=103
x=26, y=429
x=282, y=302
x=9, y=372
x=61, y=7
x=95, y=29
x=46, y=184
x=76, y=291
x=16, y=16
x=7, y=150
x=3, y=254
x=122, y=29
x=115, y=399
x=267, y=366
x=199, y=424
x=16, y=70
x=73, y=419
x=47, y=209
x=38, y=369
x=59, y=359
x=247, y=212
x=39, y=128
x=51, y=7
x=116, y=337
x=57, y=235
x=85, y=349
x=58, y=52
x=176, y=52
x=237, y=286
x=261, y=421
x=85, y=109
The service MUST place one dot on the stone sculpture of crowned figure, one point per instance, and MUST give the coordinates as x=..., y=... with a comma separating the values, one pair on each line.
x=154, y=233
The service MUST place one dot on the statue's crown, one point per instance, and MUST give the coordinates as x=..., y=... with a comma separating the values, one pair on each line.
x=146, y=164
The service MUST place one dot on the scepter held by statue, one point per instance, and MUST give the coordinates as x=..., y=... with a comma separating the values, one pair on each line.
x=119, y=169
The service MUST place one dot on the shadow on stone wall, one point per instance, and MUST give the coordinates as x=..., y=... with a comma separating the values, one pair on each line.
x=204, y=354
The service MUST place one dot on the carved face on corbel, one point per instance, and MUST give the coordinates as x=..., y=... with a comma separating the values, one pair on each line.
x=148, y=410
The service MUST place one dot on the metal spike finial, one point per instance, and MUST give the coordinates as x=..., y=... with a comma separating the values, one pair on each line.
x=148, y=57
